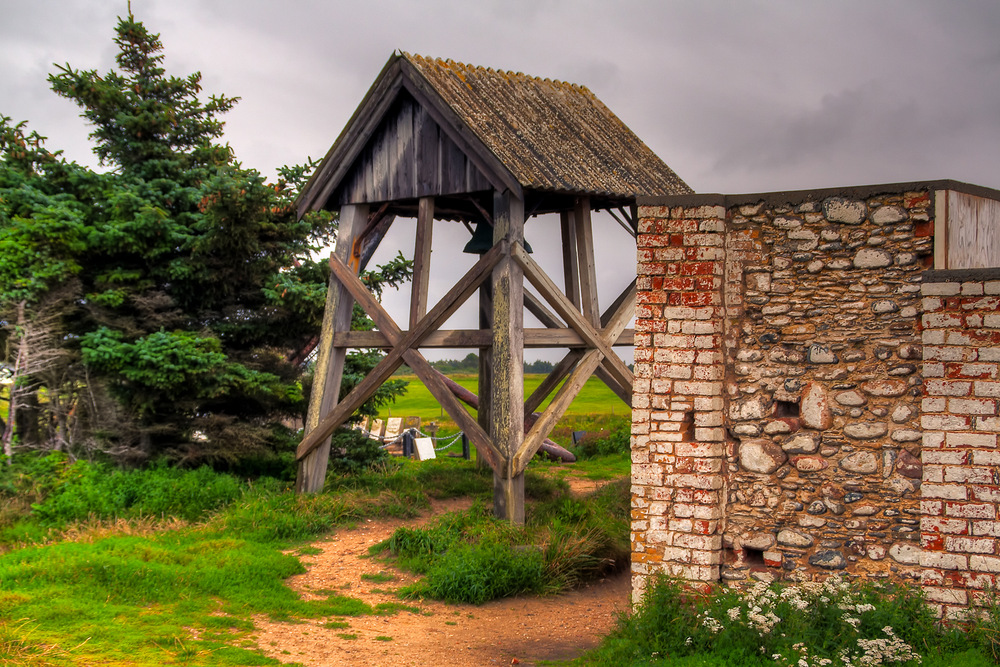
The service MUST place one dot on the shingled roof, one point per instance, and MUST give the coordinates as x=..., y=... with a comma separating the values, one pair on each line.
x=519, y=131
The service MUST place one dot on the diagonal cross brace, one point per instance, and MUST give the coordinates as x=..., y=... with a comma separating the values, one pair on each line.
x=403, y=344
x=416, y=361
x=565, y=308
x=586, y=365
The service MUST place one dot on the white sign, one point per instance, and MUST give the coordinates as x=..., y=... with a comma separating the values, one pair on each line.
x=425, y=449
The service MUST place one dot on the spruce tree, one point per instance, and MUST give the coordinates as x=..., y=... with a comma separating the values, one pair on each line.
x=192, y=278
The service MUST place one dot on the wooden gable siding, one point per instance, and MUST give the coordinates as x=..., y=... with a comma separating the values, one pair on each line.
x=973, y=231
x=409, y=156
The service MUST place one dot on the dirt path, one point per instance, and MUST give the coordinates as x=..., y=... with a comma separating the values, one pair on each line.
x=514, y=631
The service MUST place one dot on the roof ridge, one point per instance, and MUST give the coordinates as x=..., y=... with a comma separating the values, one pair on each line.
x=450, y=63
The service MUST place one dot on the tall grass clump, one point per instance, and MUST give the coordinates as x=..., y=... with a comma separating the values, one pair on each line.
x=813, y=624
x=609, y=436
x=472, y=557
x=96, y=490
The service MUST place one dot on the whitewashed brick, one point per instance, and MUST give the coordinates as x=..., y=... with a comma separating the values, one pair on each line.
x=990, y=528
x=710, y=434
x=943, y=561
x=702, y=542
x=988, y=424
x=701, y=449
x=940, y=289
x=987, y=389
x=984, y=563
x=943, y=422
x=933, y=474
x=968, y=475
x=933, y=336
x=972, y=545
x=932, y=370
x=971, y=510
x=933, y=439
x=948, y=388
x=934, y=404
x=934, y=524
x=947, y=458
x=945, y=595
x=971, y=406
x=985, y=440
x=989, y=354
x=946, y=491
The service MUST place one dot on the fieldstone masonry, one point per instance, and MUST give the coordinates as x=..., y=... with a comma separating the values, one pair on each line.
x=806, y=401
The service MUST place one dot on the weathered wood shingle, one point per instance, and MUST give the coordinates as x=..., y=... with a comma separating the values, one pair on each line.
x=550, y=134
x=433, y=127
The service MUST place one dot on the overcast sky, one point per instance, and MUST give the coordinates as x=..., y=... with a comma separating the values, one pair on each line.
x=734, y=96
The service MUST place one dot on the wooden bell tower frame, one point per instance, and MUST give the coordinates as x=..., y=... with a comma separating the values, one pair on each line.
x=415, y=148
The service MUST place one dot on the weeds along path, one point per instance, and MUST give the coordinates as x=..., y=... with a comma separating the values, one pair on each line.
x=520, y=630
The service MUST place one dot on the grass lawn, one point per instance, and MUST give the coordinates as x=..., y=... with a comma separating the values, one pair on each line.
x=594, y=399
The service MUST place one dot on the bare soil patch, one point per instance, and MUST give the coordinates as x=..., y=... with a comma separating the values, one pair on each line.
x=520, y=630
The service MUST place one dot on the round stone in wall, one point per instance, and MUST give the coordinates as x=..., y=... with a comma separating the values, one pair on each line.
x=809, y=463
x=888, y=215
x=829, y=560
x=802, y=443
x=791, y=538
x=907, y=435
x=885, y=306
x=889, y=388
x=866, y=430
x=907, y=554
x=864, y=463
x=872, y=258
x=814, y=407
x=909, y=465
x=821, y=354
x=761, y=456
x=851, y=398
x=845, y=211
x=759, y=541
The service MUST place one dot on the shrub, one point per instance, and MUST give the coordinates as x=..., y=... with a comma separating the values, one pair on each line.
x=616, y=438
x=472, y=557
x=808, y=625
x=86, y=490
x=353, y=452
x=477, y=573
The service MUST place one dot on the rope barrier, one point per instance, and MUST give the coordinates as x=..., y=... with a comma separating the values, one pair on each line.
x=399, y=438
x=455, y=439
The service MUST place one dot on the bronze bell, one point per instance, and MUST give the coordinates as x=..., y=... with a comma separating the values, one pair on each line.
x=482, y=240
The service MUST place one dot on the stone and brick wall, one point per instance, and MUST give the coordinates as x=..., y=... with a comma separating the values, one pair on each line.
x=677, y=406
x=779, y=411
x=961, y=473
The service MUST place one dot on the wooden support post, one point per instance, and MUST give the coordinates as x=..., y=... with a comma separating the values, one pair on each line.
x=588, y=269
x=329, y=360
x=485, y=363
x=421, y=260
x=507, y=391
x=571, y=263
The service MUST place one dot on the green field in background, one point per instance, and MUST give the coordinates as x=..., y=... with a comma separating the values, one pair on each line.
x=594, y=399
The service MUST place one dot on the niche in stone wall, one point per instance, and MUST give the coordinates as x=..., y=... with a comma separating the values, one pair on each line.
x=786, y=409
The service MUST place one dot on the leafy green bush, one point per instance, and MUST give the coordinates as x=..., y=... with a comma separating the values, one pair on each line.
x=615, y=439
x=472, y=557
x=83, y=490
x=484, y=571
x=353, y=452
x=809, y=625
